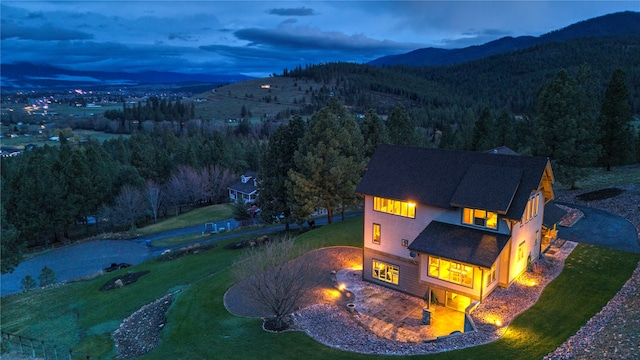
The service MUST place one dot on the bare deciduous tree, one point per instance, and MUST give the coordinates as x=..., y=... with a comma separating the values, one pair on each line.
x=128, y=207
x=276, y=276
x=216, y=180
x=153, y=195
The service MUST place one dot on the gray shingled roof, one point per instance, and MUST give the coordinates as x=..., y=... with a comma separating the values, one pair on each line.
x=246, y=188
x=471, y=246
x=487, y=187
x=438, y=177
x=552, y=214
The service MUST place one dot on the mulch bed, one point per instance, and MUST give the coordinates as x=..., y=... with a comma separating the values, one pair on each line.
x=190, y=250
x=248, y=243
x=600, y=194
x=127, y=279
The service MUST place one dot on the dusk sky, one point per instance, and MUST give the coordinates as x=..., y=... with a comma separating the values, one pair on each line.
x=257, y=38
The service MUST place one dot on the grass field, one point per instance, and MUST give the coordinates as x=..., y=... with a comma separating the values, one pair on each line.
x=194, y=217
x=198, y=326
x=621, y=175
x=227, y=101
x=20, y=142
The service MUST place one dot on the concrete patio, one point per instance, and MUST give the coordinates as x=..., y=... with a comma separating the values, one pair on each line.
x=395, y=316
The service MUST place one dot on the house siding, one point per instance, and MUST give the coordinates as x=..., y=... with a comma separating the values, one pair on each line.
x=525, y=233
x=408, y=273
x=413, y=278
x=395, y=228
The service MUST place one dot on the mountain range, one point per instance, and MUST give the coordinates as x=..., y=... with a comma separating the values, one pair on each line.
x=29, y=75
x=622, y=23
x=26, y=75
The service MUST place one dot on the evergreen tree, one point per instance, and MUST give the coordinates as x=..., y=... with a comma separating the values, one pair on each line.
x=275, y=164
x=28, y=283
x=240, y=212
x=328, y=163
x=567, y=131
x=374, y=132
x=504, y=130
x=615, y=114
x=482, y=139
x=11, y=246
x=47, y=277
x=402, y=130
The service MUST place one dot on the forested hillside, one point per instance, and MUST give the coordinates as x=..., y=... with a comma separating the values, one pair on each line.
x=449, y=94
x=617, y=24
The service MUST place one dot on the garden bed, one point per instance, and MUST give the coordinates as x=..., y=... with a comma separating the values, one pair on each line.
x=123, y=280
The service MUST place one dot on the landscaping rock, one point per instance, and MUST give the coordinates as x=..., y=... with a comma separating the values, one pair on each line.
x=139, y=333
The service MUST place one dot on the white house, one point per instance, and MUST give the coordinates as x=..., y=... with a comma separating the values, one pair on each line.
x=246, y=188
x=452, y=225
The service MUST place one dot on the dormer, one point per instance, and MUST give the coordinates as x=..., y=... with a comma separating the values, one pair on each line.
x=245, y=179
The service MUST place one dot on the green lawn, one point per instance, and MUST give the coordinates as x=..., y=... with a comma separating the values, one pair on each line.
x=197, y=216
x=198, y=326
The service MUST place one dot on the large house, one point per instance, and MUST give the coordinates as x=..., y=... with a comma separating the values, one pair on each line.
x=245, y=189
x=451, y=226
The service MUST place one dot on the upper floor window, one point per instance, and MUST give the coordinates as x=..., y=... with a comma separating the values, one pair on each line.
x=395, y=207
x=376, y=233
x=481, y=218
x=531, y=210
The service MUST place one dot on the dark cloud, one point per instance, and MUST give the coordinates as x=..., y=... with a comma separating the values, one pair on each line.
x=35, y=15
x=89, y=55
x=180, y=36
x=66, y=78
x=306, y=38
x=475, y=37
x=247, y=52
x=43, y=33
x=303, y=11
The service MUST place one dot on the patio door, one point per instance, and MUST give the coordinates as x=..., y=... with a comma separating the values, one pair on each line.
x=457, y=301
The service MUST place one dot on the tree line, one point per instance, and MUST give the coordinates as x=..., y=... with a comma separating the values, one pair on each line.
x=155, y=109
x=119, y=184
x=305, y=165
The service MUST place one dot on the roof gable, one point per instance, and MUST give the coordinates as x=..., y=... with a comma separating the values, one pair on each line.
x=487, y=187
x=438, y=177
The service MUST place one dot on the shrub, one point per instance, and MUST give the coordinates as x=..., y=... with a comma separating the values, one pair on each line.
x=47, y=277
x=28, y=283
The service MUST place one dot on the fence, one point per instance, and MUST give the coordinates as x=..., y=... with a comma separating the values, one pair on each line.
x=37, y=349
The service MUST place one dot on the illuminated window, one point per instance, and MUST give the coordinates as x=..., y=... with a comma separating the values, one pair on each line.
x=451, y=271
x=491, y=275
x=376, y=233
x=385, y=272
x=395, y=207
x=521, y=251
x=482, y=218
x=531, y=210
